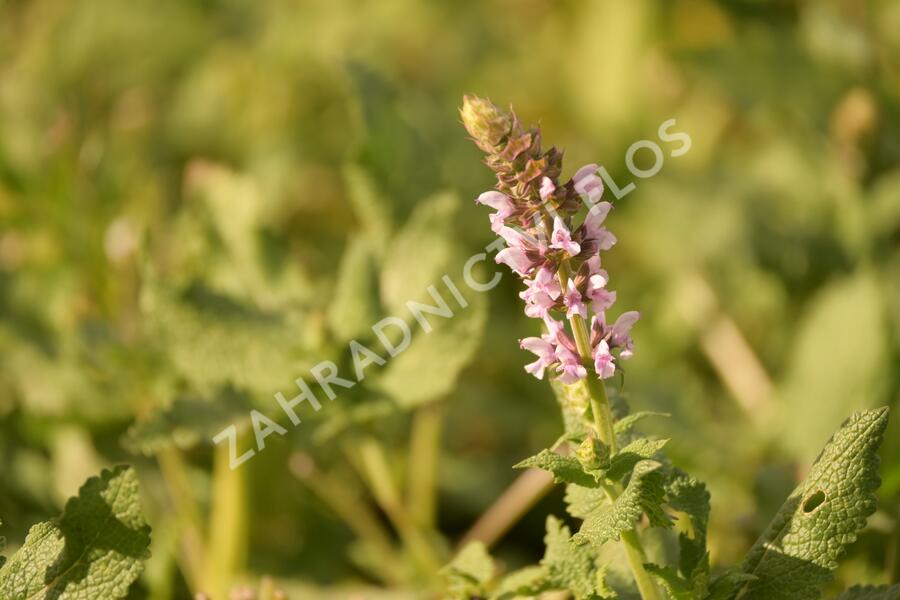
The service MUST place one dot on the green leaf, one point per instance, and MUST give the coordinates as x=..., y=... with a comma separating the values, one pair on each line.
x=677, y=587
x=423, y=251
x=369, y=204
x=529, y=581
x=565, y=469
x=570, y=566
x=800, y=548
x=469, y=572
x=354, y=308
x=429, y=368
x=214, y=340
x=93, y=552
x=724, y=585
x=831, y=373
x=187, y=421
x=644, y=494
x=689, y=496
x=870, y=592
x=625, y=459
x=627, y=423
x=582, y=501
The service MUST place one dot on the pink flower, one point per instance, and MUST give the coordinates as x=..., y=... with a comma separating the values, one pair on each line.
x=604, y=362
x=573, y=302
x=516, y=259
x=561, y=238
x=540, y=293
x=502, y=203
x=592, y=231
x=546, y=355
x=588, y=184
x=570, y=368
x=547, y=188
x=619, y=336
x=600, y=297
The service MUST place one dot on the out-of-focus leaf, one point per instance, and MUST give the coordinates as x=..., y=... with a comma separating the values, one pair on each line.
x=423, y=251
x=838, y=361
x=188, y=420
x=871, y=592
x=354, y=308
x=429, y=367
x=213, y=340
x=469, y=572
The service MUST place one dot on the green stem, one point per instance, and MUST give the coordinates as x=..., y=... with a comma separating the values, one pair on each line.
x=603, y=422
x=636, y=559
x=193, y=550
x=227, y=548
x=424, y=454
x=378, y=475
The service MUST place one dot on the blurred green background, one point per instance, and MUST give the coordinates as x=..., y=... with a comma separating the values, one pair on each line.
x=200, y=199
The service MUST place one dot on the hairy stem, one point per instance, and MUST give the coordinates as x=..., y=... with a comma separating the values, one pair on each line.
x=603, y=422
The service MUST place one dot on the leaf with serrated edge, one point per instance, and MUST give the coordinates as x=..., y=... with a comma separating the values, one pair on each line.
x=870, y=592
x=565, y=469
x=627, y=423
x=689, y=496
x=624, y=460
x=644, y=494
x=93, y=552
x=469, y=571
x=570, y=567
x=675, y=585
x=800, y=548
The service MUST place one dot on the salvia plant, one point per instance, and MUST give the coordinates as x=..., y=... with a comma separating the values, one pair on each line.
x=619, y=484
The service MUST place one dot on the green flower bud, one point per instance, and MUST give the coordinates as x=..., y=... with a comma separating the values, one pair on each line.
x=486, y=123
x=593, y=454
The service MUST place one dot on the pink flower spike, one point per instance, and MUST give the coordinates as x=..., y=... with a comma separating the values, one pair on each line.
x=562, y=238
x=498, y=222
x=593, y=264
x=573, y=302
x=547, y=188
x=604, y=363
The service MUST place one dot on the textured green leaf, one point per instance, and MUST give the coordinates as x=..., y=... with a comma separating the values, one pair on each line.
x=565, y=469
x=800, y=548
x=724, y=585
x=627, y=423
x=582, y=501
x=689, y=496
x=625, y=459
x=570, y=566
x=529, y=581
x=870, y=592
x=676, y=586
x=93, y=552
x=644, y=494
x=469, y=572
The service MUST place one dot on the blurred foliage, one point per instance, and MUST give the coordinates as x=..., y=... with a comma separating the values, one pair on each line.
x=200, y=200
